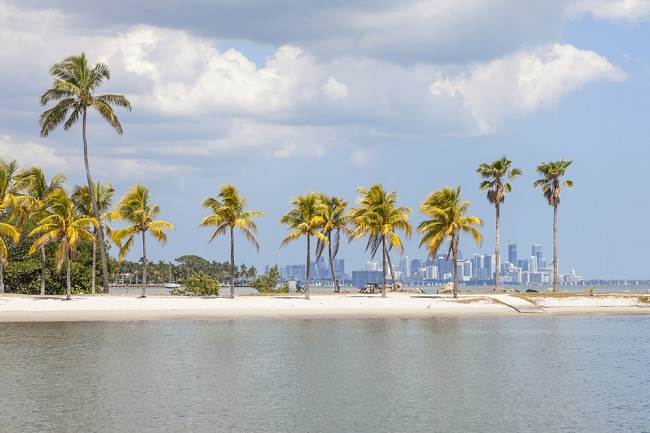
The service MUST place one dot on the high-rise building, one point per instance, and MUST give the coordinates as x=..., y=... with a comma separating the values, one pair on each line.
x=416, y=266
x=536, y=251
x=512, y=254
x=404, y=267
x=532, y=264
x=372, y=265
x=339, y=267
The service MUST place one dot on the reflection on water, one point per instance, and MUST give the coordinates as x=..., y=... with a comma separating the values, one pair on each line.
x=350, y=375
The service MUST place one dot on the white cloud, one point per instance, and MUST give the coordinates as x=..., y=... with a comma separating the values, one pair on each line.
x=624, y=10
x=525, y=81
x=334, y=89
x=28, y=153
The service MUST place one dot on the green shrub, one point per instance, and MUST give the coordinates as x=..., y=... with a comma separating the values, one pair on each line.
x=267, y=283
x=198, y=284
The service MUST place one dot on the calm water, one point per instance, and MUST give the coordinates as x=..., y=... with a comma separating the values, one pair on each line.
x=558, y=374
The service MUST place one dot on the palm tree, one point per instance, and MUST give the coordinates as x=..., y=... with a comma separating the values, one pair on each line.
x=32, y=204
x=551, y=185
x=229, y=213
x=446, y=211
x=66, y=227
x=494, y=182
x=136, y=209
x=104, y=199
x=305, y=219
x=379, y=218
x=335, y=221
x=75, y=81
x=8, y=190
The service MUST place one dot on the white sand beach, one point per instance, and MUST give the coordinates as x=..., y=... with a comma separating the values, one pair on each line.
x=21, y=308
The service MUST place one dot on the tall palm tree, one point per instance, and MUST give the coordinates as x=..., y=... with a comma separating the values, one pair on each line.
x=551, y=184
x=335, y=221
x=104, y=199
x=75, y=82
x=229, y=213
x=36, y=189
x=137, y=210
x=305, y=219
x=8, y=191
x=447, y=211
x=379, y=218
x=66, y=227
x=495, y=182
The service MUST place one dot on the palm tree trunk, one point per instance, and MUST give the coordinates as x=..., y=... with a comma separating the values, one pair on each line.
x=383, y=266
x=144, y=266
x=337, y=289
x=390, y=268
x=42, y=270
x=94, y=266
x=2, y=276
x=232, y=263
x=555, y=272
x=497, y=261
x=454, y=263
x=68, y=292
x=93, y=200
x=308, y=269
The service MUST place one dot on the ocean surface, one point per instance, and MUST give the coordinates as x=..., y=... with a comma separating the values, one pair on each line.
x=521, y=374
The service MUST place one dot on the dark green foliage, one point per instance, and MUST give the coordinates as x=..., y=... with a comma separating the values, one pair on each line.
x=184, y=267
x=198, y=284
x=23, y=274
x=267, y=283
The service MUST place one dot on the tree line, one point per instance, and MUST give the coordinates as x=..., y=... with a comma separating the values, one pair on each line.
x=53, y=219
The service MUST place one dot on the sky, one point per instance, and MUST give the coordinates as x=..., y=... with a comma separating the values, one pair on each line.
x=285, y=97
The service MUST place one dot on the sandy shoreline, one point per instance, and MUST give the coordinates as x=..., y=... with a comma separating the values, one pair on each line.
x=20, y=308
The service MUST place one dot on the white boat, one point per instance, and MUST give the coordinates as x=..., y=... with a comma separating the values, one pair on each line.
x=172, y=286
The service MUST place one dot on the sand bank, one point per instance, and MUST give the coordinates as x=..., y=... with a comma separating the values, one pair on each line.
x=17, y=308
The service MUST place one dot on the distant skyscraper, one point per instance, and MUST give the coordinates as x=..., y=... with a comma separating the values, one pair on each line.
x=537, y=252
x=532, y=264
x=372, y=266
x=416, y=266
x=339, y=267
x=512, y=254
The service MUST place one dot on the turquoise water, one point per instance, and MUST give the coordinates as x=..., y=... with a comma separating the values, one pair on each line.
x=521, y=374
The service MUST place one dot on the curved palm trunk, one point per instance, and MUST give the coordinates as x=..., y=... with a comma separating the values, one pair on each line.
x=94, y=266
x=392, y=271
x=497, y=260
x=555, y=272
x=144, y=266
x=42, y=270
x=308, y=269
x=454, y=263
x=383, y=267
x=68, y=291
x=232, y=264
x=93, y=200
x=2, y=276
x=337, y=288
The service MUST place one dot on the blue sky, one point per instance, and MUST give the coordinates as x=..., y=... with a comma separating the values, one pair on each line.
x=282, y=98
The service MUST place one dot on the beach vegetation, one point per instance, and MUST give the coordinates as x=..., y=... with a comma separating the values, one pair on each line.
x=446, y=213
x=73, y=92
x=229, y=212
x=552, y=183
x=136, y=209
x=495, y=177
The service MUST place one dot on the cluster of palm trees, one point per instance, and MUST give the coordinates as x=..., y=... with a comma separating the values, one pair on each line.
x=27, y=199
x=46, y=213
x=380, y=220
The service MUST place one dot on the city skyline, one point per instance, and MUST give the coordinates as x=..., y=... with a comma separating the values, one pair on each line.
x=477, y=268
